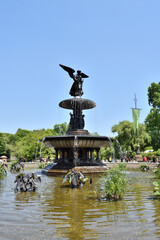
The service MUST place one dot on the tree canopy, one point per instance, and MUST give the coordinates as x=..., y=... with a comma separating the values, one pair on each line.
x=27, y=144
x=127, y=137
x=154, y=95
x=152, y=121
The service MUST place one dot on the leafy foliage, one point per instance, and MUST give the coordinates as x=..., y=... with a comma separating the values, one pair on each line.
x=144, y=167
x=4, y=148
x=122, y=166
x=156, y=189
x=157, y=173
x=105, y=153
x=154, y=95
x=75, y=178
x=152, y=122
x=26, y=144
x=43, y=164
x=127, y=137
x=60, y=129
x=114, y=184
x=2, y=171
x=149, y=155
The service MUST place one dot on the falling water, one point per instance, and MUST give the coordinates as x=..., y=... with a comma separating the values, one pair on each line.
x=75, y=150
x=113, y=151
x=119, y=147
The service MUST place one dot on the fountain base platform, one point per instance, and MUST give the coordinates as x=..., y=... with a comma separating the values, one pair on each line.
x=60, y=169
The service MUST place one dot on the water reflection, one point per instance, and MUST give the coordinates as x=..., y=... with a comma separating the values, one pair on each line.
x=59, y=212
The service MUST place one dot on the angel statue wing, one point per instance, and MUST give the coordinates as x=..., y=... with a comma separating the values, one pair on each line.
x=84, y=75
x=68, y=69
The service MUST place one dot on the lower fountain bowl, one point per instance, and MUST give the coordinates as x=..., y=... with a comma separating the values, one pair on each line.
x=76, y=152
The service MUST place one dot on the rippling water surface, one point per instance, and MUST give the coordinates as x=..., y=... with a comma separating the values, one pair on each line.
x=56, y=211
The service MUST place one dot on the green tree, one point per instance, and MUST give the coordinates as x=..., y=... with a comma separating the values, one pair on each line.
x=154, y=95
x=2, y=145
x=127, y=137
x=60, y=129
x=28, y=144
x=21, y=133
x=152, y=122
x=105, y=153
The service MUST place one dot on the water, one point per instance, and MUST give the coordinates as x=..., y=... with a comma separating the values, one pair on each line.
x=56, y=211
x=119, y=147
x=113, y=151
x=75, y=151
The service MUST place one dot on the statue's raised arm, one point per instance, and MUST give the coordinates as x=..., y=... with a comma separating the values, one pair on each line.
x=76, y=89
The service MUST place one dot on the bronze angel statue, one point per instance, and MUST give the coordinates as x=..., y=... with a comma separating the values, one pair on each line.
x=76, y=89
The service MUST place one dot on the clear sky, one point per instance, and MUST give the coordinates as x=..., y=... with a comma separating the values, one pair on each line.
x=116, y=43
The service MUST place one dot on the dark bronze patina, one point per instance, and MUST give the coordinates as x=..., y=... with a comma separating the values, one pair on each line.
x=77, y=104
x=77, y=147
x=76, y=89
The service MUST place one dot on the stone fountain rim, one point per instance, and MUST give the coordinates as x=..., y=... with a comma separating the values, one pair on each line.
x=64, y=137
x=83, y=141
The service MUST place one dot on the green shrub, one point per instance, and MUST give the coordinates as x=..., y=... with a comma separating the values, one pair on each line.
x=149, y=155
x=133, y=154
x=158, y=152
x=148, y=148
x=156, y=189
x=114, y=184
x=157, y=173
x=75, y=179
x=2, y=171
x=43, y=164
x=122, y=166
x=144, y=167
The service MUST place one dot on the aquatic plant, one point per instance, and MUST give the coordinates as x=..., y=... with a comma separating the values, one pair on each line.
x=156, y=189
x=75, y=178
x=144, y=167
x=157, y=172
x=16, y=166
x=27, y=182
x=2, y=171
x=122, y=166
x=114, y=184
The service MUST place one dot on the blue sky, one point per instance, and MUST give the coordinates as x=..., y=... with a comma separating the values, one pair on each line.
x=116, y=43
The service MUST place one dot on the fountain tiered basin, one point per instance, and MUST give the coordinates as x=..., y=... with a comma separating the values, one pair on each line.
x=78, y=148
x=76, y=151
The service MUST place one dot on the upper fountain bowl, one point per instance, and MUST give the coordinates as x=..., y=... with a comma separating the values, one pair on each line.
x=81, y=102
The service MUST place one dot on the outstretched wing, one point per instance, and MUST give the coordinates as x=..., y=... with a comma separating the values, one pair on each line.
x=84, y=75
x=68, y=69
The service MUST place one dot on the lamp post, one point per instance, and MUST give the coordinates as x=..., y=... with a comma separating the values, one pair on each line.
x=136, y=113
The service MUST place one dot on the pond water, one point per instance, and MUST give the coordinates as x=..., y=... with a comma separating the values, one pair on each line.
x=56, y=211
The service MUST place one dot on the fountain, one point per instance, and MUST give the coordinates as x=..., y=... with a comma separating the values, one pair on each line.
x=77, y=149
